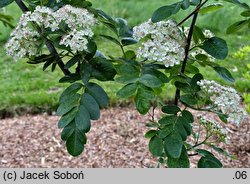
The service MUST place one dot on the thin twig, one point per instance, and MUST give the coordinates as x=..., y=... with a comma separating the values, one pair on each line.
x=184, y=63
x=48, y=43
x=193, y=12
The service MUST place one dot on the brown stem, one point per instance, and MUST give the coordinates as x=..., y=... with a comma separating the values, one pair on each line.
x=48, y=43
x=187, y=48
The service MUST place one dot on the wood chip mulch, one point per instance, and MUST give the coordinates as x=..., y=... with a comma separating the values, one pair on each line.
x=115, y=141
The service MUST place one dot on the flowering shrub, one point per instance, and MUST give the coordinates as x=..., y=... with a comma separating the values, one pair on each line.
x=166, y=52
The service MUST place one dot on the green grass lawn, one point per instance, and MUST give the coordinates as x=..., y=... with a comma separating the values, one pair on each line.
x=26, y=86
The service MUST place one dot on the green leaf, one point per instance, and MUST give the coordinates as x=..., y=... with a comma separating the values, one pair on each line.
x=127, y=91
x=211, y=7
x=195, y=2
x=185, y=4
x=150, y=134
x=221, y=151
x=170, y=109
x=71, y=78
x=188, y=116
x=198, y=34
x=216, y=47
x=98, y=93
x=67, y=118
x=41, y=59
x=237, y=2
x=150, y=81
x=182, y=162
x=73, y=61
x=82, y=119
x=156, y=146
x=165, y=131
x=68, y=104
x=112, y=39
x=173, y=145
x=68, y=130
x=156, y=73
x=75, y=143
x=91, y=105
x=209, y=162
x=165, y=12
x=143, y=99
x=102, y=69
x=188, y=99
x=69, y=91
x=224, y=74
x=245, y=13
x=4, y=3
x=197, y=77
x=128, y=41
x=237, y=26
x=168, y=120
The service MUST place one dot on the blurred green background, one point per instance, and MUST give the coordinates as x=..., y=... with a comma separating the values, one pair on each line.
x=26, y=88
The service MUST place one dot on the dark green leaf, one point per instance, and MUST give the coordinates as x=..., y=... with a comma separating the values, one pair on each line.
x=165, y=12
x=168, y=120
x=237, y=26
x=73, y=77
x=237, y=2
x=102, y=69
x=195, y=2
x=41, y=59
x=157, y=73
x=182, y=162
x=143, y=99
x=98, y=93
x=170, y=109
x=173, y=145
x=82, y=119
x=209, y=162
x=185, y=4
x=4, y=3
x=67, y=118
x=150, y=134
x=165, y=131
x=224, y=74
x=156, y=146
x=198, y=34
x=68, y=130
x=188, y=116
x=127, y=91
x=68, y=104
x=245, y=13
x=150, y=81
x=216, y=47
x=128, y=41
x=75, y=143
x=188, y=99
x=73, y=61
x=112, y=39
x=69, y=91
x=91, y=105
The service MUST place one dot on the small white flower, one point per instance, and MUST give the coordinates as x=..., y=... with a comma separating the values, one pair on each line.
x=224, y=99
x=166, y=42
x=24, y=41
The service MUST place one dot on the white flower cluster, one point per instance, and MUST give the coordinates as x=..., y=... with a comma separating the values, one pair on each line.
x=213, y=128
x=224, y=99
x=165, y=43
x=197, y=51
x=75, y=22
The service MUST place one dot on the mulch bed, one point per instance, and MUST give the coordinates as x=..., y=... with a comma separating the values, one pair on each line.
x=115, y=141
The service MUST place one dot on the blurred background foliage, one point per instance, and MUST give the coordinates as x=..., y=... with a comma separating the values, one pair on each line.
x=26, y=88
